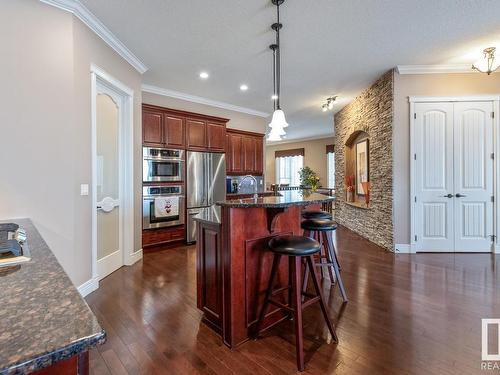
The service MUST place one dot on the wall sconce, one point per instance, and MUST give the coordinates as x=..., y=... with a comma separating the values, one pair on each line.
x=488, y=64
x=328, y=106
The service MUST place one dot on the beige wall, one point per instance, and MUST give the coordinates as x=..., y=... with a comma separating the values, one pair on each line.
x=314, y=157
x=45, y=125
x=423, y=85
x=237, y=120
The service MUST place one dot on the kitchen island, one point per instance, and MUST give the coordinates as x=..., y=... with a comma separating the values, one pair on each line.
x=234, y=264
x=45, y=325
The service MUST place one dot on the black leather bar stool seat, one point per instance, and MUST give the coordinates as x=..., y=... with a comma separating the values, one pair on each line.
x=322, y=229
x=296, y=248
x=319, y=225
x=316, y=215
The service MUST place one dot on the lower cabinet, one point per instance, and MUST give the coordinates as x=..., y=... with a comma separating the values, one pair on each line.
x=209, y=274
x=160, y=236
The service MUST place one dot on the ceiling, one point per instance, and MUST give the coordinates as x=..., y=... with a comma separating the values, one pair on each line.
x=328, y=46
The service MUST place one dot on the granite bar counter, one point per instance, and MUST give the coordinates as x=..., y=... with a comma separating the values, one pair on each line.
x=44, y=322
x=234, y=264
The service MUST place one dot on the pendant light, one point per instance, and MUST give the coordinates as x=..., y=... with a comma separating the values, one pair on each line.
x=489, y=63
x=278, y=122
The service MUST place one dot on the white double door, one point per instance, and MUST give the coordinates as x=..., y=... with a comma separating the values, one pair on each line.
x=453, y=159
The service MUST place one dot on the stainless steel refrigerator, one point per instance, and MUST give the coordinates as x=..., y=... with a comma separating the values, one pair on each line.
x=205, y=185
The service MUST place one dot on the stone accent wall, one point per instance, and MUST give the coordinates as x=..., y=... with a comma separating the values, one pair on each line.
x=371, y=112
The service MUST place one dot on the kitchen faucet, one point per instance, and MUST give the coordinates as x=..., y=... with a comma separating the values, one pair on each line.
x=255, y=195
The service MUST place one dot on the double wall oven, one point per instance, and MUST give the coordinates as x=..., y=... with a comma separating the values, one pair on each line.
x=163, y=177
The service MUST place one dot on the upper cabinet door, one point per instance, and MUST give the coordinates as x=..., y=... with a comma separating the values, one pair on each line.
x=249, y=154
x=259, y=155
x=152, y=128
x=236, y=144
x=196, y=134
x=174, y=131
x=216, y=136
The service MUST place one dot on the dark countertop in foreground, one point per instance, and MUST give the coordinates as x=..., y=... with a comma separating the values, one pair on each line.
x=284, y=199
x=43, y=318
x=209, y=215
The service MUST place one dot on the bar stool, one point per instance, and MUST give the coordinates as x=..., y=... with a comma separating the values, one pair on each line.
x=316, y=215
x=295, y=248
x=323, y=229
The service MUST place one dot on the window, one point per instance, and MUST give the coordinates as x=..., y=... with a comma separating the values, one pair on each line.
x=330, y=160
x=287, y=169
x=288, y=163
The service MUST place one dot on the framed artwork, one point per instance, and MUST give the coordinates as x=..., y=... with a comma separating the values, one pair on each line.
x=362, y=166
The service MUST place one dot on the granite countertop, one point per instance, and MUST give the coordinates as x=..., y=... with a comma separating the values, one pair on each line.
x=209, y=215
x=43, y=318
x=283, y=199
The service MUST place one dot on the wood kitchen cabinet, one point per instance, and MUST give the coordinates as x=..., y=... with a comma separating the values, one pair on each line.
x=196, y=134
x=171, y=128
x=246, y=152
x=152, y=128
x=216, y=136
x=174, y=131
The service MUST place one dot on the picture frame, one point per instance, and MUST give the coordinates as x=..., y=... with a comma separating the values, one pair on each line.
x=362, y=165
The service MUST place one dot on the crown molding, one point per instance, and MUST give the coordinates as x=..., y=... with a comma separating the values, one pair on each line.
x=89, y=19
x=200, y=100
x=435, y=69
x=298, y=140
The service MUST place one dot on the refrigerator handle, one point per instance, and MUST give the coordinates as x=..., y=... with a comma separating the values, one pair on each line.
x=209, y=179
x=206, y=166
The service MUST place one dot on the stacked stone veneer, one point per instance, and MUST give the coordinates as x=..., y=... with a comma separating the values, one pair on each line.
x=371, y=112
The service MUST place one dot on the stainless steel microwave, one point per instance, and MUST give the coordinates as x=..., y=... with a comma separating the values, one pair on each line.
x=162, y=165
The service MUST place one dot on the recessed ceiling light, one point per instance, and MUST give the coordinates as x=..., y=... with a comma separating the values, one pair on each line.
x=243, y=87
x=204, y=75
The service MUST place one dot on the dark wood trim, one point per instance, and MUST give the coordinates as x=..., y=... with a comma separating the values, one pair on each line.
x=289, y=152
x=77, y=364
x=244, y=132
x=330, y=149
x=179, y=112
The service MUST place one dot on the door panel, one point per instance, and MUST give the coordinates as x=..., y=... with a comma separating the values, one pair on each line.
x=196, y=182
x=473, y=145
x=152, y=128
x=249, y=154
x=434, y=176
x=109, y=256
x=196, y=134
x=174, y=131
x=216, y=136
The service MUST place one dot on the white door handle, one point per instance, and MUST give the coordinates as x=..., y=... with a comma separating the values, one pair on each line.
x=108, y=204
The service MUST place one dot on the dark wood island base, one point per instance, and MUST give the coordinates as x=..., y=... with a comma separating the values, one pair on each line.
x=234, y=264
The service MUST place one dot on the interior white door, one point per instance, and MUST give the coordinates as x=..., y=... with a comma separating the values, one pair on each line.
x=434, y=206
x=107, y=185
x=473, y=176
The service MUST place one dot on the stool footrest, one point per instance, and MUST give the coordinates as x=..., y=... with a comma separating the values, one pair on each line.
x=276, y=291
x=323, y=264
x=281, y=305
x=310, y=301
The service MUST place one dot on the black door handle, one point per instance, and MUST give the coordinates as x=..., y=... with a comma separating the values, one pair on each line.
x=448, y=196
x=460, y=195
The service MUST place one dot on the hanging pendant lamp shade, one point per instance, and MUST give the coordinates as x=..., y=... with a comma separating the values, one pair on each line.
x=278, y=120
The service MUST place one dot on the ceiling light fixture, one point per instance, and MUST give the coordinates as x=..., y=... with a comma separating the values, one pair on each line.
x=204, y=75
x=328, y=106
x=488, y=64
x=278, y=122
x=243, y=87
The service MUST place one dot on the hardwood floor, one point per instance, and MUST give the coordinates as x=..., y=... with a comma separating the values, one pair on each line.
x=407, y=314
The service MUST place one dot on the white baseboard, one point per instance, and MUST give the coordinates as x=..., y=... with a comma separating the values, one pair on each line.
x=403, y=249
x=134, y=257
x=88, y=287
x=108, y=264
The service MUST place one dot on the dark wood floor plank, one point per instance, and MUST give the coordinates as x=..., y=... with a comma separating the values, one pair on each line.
x=407, y=314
